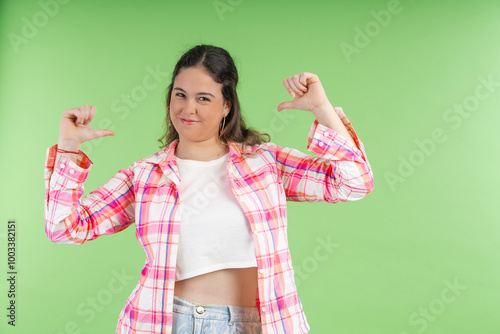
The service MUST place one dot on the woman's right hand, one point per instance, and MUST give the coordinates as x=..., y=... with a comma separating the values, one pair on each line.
x=74, y=128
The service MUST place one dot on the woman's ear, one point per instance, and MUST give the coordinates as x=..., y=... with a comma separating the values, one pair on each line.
x=227, y=108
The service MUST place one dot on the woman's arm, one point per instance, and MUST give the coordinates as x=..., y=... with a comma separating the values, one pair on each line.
x=68, y=218
x=340, y=171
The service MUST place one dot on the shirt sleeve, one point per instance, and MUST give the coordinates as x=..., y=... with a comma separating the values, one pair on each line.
x=69, y=219
x=340, y=171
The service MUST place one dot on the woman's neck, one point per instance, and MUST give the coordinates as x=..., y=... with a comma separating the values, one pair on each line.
x=201, y=151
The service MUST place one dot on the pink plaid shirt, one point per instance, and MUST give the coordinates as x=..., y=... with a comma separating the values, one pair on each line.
x=148, y=193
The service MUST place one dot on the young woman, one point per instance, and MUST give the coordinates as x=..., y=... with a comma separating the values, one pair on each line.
x=210, y=208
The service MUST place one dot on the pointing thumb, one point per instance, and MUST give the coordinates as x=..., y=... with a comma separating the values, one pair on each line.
x=103, y=133
x=285, y=105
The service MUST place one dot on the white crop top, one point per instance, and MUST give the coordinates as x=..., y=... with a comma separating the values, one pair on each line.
x=214, y=232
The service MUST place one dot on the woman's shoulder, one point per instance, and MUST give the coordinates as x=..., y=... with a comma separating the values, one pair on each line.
x=264, y=147
x=250, y=150
x=156, y=158
x=264, y=151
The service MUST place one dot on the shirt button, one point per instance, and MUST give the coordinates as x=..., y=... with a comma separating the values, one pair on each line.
x=263, y=309
x=71, y=171
x=62, y=166
x=255, y=232
x=326, y=134
x=200, y=309
x=321, y=144
x=261, y=271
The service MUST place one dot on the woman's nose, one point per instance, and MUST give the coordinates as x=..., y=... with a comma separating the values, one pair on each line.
x=190, y=107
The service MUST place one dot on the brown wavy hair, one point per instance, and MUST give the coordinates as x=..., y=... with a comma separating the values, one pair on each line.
x=219, y=64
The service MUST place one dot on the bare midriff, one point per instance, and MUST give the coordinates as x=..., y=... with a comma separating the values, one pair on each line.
x=235, y=287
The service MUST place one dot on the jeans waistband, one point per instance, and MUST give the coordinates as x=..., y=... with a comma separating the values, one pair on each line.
x=216, y=312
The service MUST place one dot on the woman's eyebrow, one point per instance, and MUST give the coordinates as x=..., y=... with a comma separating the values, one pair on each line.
x=200, y=93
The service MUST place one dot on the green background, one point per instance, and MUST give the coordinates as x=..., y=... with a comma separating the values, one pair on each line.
x=395, y=252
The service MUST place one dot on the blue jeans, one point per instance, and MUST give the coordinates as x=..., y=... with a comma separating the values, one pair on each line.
x=194, y=318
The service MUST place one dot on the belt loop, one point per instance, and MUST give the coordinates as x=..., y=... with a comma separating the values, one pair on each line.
x=231, y=315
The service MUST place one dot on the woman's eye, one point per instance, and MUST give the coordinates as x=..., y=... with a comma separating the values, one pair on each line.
x=179, y=94
x=205, y=99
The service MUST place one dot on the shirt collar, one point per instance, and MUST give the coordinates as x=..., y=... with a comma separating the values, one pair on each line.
x=166, y=157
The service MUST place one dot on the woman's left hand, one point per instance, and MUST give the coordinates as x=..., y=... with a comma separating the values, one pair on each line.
x=307, y=92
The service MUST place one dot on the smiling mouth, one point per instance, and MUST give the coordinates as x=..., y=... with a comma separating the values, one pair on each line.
x=188, y=121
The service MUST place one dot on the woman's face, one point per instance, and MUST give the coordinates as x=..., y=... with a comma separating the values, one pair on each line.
x=197, y=105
